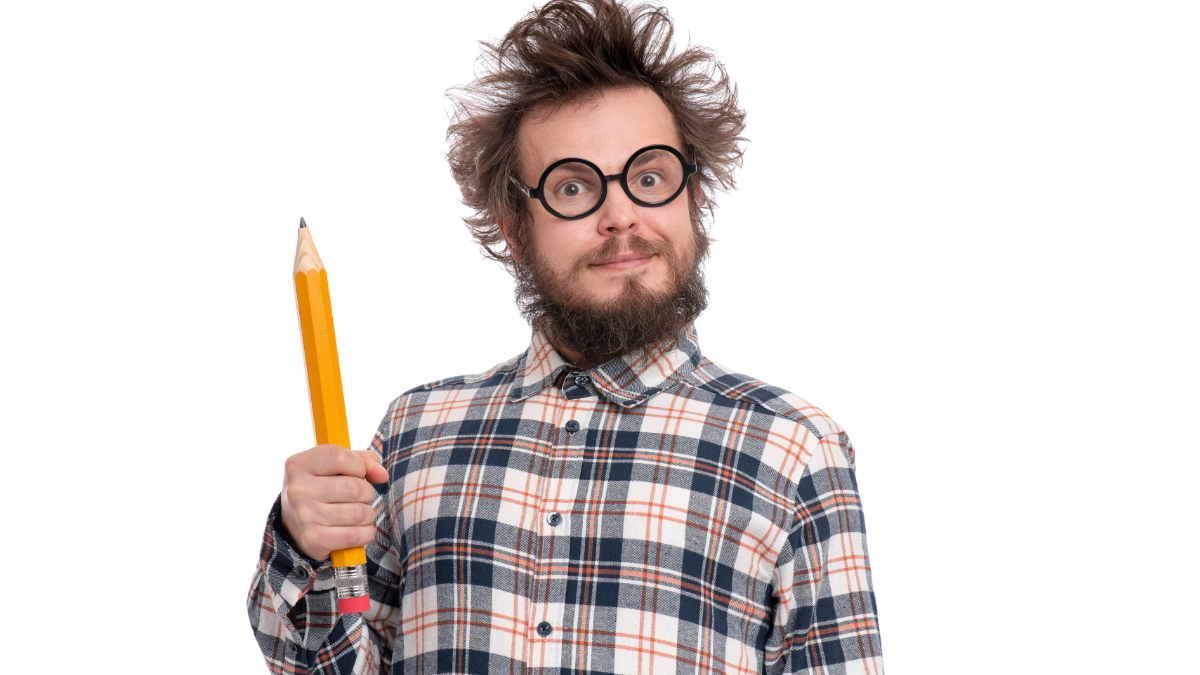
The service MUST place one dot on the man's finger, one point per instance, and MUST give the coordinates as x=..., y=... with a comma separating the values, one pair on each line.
x=375, y=473
x=334, y=460
x=356, y=514
x=341, y=490
x=327, y=539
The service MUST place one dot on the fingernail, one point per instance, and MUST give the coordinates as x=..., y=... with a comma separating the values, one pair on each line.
x=378, y=456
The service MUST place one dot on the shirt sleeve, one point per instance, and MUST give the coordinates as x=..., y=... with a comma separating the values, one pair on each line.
x=292, y=605
x=825, y=617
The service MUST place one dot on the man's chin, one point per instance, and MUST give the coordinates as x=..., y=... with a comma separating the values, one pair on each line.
x=619, y=298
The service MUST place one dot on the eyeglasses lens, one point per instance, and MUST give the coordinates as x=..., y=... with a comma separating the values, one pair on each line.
x=654, y=176
x=572, y=188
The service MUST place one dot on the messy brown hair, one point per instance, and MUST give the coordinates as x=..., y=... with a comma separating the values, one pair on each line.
x=563, y=53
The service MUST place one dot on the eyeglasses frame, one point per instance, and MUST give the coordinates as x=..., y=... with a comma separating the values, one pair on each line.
x=539, y=194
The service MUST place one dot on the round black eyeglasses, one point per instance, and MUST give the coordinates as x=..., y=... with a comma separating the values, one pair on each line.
x=574, y=188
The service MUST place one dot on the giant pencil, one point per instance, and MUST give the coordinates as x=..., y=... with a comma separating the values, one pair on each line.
x=328, y=403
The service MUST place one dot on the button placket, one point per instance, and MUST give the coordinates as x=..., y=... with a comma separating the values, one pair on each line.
x=560, y=487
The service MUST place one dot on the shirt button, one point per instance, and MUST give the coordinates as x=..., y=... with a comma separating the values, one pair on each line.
x=572, y=426
x=544, y=628
x=582, y=380
x=554, y=518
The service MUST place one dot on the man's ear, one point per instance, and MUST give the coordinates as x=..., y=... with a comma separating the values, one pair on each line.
x=510, y=239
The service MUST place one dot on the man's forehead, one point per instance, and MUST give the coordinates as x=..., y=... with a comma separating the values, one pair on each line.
x=606, y=128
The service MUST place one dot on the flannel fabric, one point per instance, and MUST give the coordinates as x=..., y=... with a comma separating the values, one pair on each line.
x=656, y=514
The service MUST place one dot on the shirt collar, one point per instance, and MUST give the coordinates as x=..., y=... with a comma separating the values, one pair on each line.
x=626, y=380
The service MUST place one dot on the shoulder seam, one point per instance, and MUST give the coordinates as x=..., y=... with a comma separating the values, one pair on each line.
x=506, y=367
x=793, y=414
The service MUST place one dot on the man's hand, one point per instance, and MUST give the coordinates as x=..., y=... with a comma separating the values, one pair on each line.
x=326, y=499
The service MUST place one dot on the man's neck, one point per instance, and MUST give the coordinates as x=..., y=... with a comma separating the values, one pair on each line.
x=574, y=358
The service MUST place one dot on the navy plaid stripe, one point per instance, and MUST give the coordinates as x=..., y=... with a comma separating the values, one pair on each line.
x=696, y=520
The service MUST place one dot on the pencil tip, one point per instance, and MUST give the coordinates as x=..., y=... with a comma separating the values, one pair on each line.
x=302, y=222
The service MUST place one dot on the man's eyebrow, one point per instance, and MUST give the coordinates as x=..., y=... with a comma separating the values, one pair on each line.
x=647, y=157
x=556, y=161
x=562, y=157
x=641, y=160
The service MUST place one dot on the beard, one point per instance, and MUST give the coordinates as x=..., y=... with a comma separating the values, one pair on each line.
x=636, y=317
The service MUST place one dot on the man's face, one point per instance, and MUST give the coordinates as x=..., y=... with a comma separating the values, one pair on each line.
x=625, y=275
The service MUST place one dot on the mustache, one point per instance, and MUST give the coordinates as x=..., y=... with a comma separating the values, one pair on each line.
x=634, y=243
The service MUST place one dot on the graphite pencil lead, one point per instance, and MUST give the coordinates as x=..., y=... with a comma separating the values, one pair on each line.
x=302, y=222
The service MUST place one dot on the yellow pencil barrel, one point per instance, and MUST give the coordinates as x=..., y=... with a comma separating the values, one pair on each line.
x=321, y=359
x=328, y=401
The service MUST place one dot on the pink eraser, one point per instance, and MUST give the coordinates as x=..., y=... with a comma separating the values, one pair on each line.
x=354, y=605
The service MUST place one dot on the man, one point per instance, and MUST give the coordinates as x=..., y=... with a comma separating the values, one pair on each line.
x=609, y=501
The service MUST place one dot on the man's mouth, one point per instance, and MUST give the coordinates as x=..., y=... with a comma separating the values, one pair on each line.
x=625, y=261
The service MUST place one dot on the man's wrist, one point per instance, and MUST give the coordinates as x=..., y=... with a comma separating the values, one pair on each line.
x=282, y=530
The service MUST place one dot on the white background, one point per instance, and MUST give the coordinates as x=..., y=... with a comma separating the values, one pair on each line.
x=967, y=231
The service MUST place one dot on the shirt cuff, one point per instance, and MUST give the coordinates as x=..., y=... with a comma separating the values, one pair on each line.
x=296, y=581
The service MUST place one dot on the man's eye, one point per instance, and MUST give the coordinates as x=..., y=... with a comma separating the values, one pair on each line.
x=572, y=189
x=649, y=180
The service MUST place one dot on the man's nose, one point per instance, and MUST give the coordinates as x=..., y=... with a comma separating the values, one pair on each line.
x=618, y=213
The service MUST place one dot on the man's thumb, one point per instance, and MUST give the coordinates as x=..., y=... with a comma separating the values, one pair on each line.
x=375, y=471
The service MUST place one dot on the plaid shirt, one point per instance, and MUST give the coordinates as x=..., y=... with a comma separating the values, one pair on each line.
x=658, y=513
